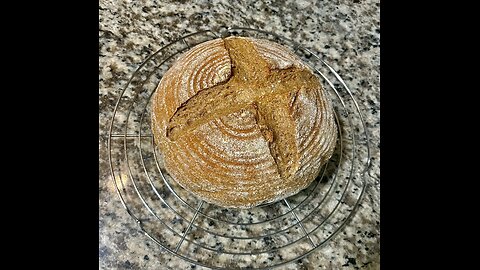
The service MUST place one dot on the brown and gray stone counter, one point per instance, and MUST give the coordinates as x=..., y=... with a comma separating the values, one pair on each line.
x=346, y=32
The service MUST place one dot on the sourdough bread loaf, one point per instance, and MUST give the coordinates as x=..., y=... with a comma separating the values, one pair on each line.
x=242, y=122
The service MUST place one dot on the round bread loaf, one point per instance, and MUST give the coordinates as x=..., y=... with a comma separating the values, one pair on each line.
x=242, y=121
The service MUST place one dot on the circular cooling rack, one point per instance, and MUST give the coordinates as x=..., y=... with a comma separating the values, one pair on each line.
x=207, y=235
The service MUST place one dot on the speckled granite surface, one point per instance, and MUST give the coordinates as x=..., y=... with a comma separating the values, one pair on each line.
x=345, y=32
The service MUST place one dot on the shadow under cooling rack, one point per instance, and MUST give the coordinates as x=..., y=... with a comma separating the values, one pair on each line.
x=222, y=238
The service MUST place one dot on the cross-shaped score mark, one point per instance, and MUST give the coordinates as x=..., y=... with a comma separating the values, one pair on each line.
x=253, y=84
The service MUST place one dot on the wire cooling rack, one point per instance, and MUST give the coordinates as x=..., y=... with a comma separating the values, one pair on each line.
x=207, y=235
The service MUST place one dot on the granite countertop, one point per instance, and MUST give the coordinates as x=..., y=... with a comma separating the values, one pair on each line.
x=345, y=32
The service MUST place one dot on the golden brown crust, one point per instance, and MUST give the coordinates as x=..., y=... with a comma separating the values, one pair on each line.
x=263, y=139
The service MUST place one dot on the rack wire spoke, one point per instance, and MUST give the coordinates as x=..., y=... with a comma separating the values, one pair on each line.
x=170, y=216
x=189, y=226
x=299, y=223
